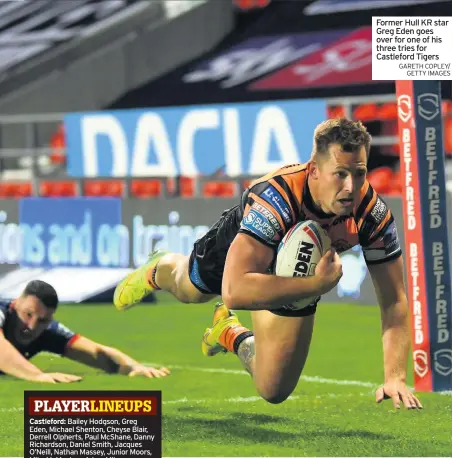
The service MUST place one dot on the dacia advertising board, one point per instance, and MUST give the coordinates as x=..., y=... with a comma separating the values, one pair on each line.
x=240, y=139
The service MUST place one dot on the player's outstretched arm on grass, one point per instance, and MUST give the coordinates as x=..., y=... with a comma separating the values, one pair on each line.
x=109, y=359
x=13, y=363
x=390, y=290
x=248, y=286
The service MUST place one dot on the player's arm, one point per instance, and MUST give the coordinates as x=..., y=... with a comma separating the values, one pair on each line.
x=270, y=211
x=109, y=359
x=390, y=290
x=13, y=363
x=248, y=286
x=383, y=254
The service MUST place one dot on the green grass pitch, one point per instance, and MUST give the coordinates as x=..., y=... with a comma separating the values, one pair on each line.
x=210, y=407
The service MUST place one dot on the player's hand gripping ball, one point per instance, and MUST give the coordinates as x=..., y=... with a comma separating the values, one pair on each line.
x=298, y=254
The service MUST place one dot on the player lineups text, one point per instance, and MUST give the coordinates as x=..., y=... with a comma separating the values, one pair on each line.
x=92, y=424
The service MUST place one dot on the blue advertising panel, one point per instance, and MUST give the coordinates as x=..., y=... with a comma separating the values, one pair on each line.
x=70, y=232
x=240, y=139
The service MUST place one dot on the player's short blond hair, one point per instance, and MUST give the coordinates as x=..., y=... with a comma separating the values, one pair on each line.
x=350, y=135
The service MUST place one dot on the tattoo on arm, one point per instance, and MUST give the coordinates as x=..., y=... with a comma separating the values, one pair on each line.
x=246, y=353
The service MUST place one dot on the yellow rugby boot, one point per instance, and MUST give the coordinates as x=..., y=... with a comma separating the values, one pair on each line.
x=136, y=286
x=223, y=319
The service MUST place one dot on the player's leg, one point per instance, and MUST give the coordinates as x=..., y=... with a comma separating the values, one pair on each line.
x=274, y=354
x=196, y=278
x=164, y=271
x=191, y=279
x=278, y=354
x=172, y=274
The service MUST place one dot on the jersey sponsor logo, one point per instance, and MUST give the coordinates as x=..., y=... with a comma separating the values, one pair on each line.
x=304, y=260
x=250, y=217
x=443, y=361
x=391, y=239
x=387, y=245
x=268, y=214
x=338, y=220
x=379, y=211
x=274, y=198
x=420, y=363
x=259, y=225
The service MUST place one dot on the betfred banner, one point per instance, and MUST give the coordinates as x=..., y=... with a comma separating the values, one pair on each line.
x=426, y=232
x=239, y=139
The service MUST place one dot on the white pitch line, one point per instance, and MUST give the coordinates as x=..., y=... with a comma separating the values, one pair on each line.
x=237, y=400
x=306, y=378
x=11, y=409
x=241, y=399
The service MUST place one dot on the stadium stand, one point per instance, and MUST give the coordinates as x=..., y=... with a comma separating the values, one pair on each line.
x=36, y=38
x=29, y=28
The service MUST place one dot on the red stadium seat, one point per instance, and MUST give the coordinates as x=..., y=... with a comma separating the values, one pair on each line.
x=366, y=112
x=336, y=112
x=58, y=189
x=109, y=188
x=219, y=189
x=397, y=183
x=251, y=4
x=246, y=183
x=227, y=189
x=93, y=188
x=58, y=145
x=388, y=111
x=447, y=108
x=145, y=188
x=115, y=188
x=15, y=190
x=380, y=179
x=448, y=136
x=211, y=189
x=187, y=187
x=390, y=129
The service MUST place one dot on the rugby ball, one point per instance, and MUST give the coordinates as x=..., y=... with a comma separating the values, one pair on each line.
x=298, y=254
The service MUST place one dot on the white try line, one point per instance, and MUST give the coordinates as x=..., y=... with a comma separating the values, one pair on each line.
x=241, y=399
x=236, y=400
x=306, y=378
x=220, y=370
